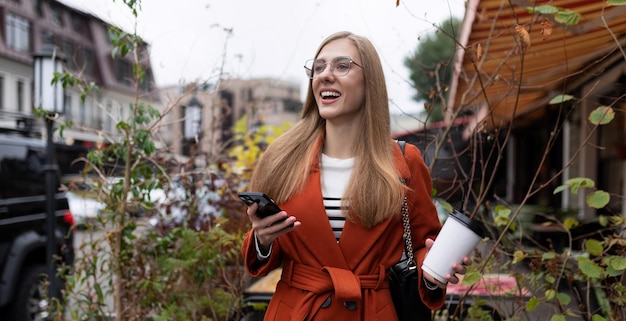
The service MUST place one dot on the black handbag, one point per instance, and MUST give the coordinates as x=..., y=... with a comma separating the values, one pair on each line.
x=403, y=279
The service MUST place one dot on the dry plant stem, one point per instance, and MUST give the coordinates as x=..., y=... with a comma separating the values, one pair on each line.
x=498, y=159
x=606, y=26
x=121, y=215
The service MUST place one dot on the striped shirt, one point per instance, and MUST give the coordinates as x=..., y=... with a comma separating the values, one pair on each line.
x=335, y=174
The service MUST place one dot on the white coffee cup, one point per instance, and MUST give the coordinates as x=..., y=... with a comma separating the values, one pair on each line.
x=456, y=240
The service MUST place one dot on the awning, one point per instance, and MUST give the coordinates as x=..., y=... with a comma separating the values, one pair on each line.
x=498, y=73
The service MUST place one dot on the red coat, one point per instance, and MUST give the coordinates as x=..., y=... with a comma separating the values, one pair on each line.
x=326, y=280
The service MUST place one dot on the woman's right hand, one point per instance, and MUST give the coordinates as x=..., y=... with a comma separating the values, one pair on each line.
x=271, y=227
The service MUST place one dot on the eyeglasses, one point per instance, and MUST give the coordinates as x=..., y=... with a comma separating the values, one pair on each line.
x=339, y=67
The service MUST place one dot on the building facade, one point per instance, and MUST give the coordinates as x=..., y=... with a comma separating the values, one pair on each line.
x=85, y=41
x=199, y=117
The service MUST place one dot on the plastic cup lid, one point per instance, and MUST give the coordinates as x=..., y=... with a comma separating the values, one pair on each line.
x=476, y=226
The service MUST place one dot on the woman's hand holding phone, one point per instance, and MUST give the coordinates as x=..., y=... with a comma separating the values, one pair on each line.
x=267, y=219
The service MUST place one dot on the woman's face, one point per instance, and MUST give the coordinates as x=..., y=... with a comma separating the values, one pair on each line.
x=339, y=98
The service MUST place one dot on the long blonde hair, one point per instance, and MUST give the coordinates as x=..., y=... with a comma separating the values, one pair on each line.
x=375, y=192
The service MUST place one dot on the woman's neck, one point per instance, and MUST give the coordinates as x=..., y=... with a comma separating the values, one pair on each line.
x=339, y=141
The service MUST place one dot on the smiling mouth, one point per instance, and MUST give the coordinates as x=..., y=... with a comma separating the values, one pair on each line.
x=329, y=94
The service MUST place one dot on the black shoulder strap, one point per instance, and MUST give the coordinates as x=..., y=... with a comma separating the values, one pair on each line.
x=401, y=143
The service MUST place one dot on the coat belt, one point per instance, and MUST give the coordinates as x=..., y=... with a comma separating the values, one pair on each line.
x=318, y=281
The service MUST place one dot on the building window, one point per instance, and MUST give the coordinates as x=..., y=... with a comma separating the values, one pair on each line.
x=38, y=7
x=56, y=15
x=87, y=62
x=108, y=120
x=68, y=107
x=47, y=37
x=20, y=96
x=68, y=50
x=123, y=71
x=79, y=24
x=95, y=120
x=82, y=116
x=18, y=33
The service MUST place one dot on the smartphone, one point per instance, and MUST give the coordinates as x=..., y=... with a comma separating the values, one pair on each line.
x=267, y=206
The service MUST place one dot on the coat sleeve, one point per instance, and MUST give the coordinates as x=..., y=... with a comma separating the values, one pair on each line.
x=424, y=219
x=255, y=266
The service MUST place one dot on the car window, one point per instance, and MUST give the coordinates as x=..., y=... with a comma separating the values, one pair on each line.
x=21, y=171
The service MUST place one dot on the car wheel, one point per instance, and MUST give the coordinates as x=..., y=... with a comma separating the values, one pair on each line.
x=31, y=303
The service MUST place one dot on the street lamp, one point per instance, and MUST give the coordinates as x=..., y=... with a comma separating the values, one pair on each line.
x=49, y=97
x=193, y=124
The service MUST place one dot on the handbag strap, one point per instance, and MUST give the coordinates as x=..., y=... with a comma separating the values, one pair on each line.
x=406, y=223
x=408, y=242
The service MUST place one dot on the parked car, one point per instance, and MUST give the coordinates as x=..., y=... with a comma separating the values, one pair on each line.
x=85, y=209
x=23, y=215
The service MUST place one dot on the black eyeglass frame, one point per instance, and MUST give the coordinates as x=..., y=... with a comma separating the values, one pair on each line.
x=309, y=71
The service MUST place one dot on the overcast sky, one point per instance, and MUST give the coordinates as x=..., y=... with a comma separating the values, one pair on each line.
x=273, y=38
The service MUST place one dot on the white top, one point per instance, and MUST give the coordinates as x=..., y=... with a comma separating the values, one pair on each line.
x=335, y=174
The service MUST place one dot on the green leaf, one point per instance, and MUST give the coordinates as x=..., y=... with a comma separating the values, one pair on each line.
x=594, y=247
x=602, y=115
x=518, y=256
x=589, y=268
x=122, y=126
x=570, y=223
x=560, y=99
x=576, y=183
x=603, y=220
x=558, y=317
x=548, y=256
x=610, y=271
x=545, y=9
x=597, y=317
x=598, y=199
x=559, y=189
x=532, y=304
x=471, y=278
x=563, y=298
x=567, y=17
x=503, y=211
x=616, y=262
x=615, y=3
x=550, y=294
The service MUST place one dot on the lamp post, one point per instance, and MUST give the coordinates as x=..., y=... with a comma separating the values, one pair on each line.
x=49, y=97
x=193, y=125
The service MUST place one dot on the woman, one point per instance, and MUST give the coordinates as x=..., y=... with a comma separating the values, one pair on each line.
x=336, y=175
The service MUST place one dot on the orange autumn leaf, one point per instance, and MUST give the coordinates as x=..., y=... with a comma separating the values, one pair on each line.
x=479, y=51
x=523, y=36
x=546, y=29
x=397, y=3
x=432, y=93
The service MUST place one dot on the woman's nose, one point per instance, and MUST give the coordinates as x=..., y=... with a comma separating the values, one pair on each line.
x=327, y=72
